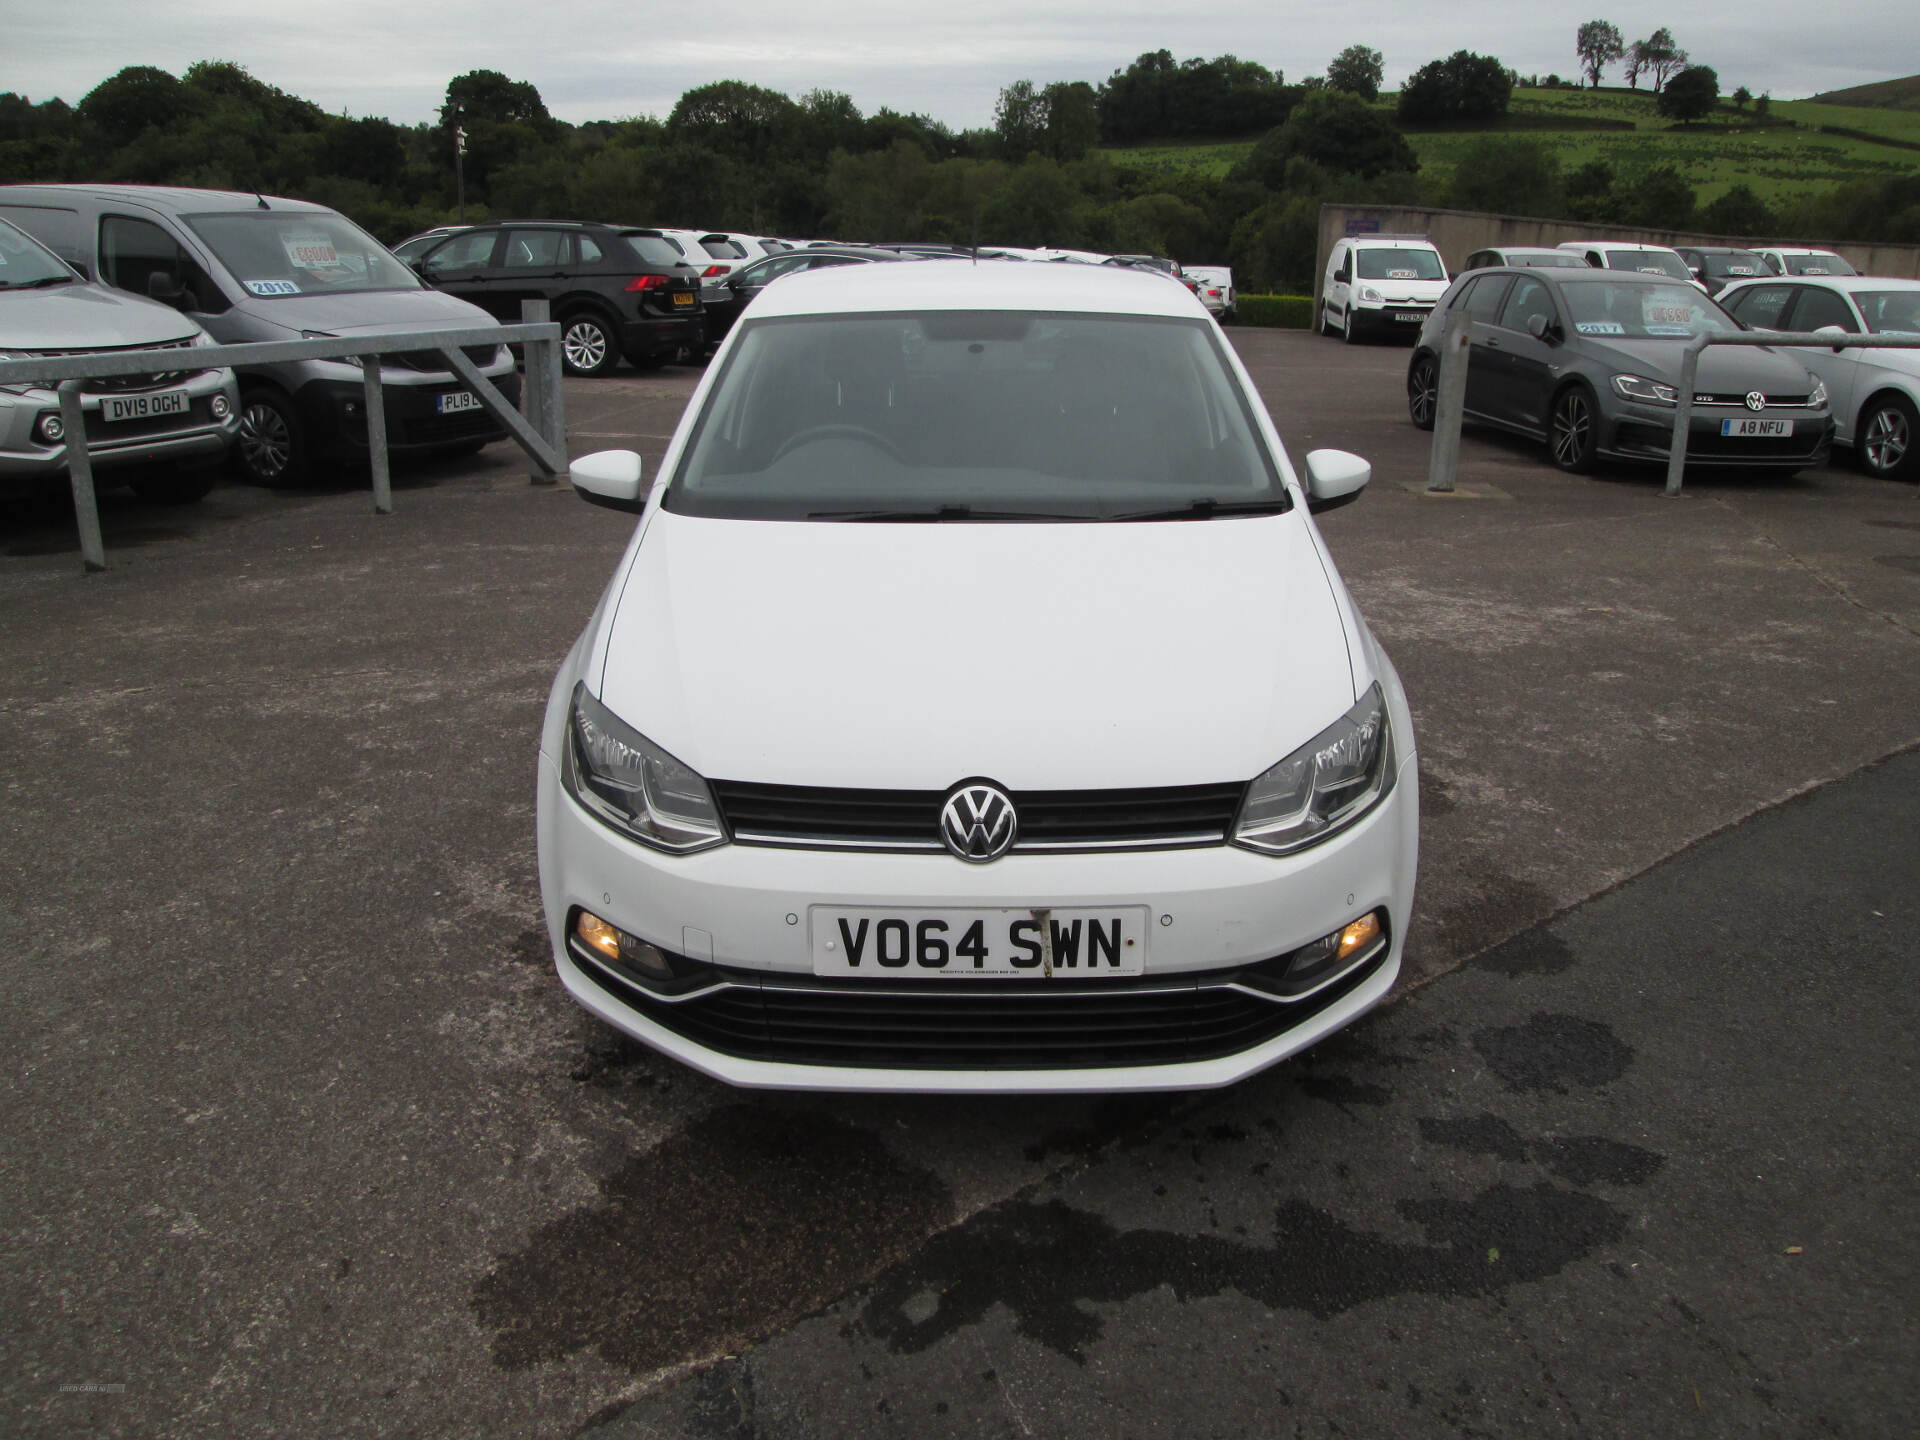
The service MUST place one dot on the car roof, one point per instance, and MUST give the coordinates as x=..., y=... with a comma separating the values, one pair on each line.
x=1583, y=275
x=1524, y=250
x=963, y=285
x=1849, y=283
x=178, y=199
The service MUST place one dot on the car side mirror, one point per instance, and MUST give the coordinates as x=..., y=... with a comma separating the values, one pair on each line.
x=1833, y=330
x=1540, y=327
x=1341, y=275
x=1334, y=478
x=610, y=478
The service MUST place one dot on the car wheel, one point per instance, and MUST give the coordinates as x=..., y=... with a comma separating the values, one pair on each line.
x=1886, y=438
x=1573, y=435
x=1423, y=390
x=1326, y=318
x=177, y=486
x=271, y=448
x=587, y=346
x=1346, y=332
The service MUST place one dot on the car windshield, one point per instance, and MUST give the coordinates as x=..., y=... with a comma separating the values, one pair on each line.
x=1411, y=263
x=1642, y=312
x=25, y=264
x=1649, y=262
x=1890, y=312
x=1817, y=265
x=1736, y=266
x=275, y=253
x=975, y=415
x=653, y=249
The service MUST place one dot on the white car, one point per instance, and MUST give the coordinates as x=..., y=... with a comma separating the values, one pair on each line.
x=710, y=252
x=976, y=707
x=1799, y=260
x=1380, y=284
x=1625, y=255
x=1215, y=290
x=1875, y=393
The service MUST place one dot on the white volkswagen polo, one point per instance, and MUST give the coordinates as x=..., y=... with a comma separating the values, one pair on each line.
x=976, y=707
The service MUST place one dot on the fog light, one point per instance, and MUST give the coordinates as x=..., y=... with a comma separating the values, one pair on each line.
x=221, y=407
x=1313, y=965
x=614, y=944
x=50, y=429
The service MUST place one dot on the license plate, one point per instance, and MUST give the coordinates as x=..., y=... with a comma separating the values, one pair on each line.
x=1409, y=317
x=683, y=297
x=1756, y=427
x=967, y=944
x=454, y=401
x=143, y=407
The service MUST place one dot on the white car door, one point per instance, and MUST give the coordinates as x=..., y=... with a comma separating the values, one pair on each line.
x=1819, y=308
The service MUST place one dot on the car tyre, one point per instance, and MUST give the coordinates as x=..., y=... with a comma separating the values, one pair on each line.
x=1423, y=391
x=587, y=345
x=1347, y=332
x=1573, y=432
x=272, y=448
x=1326, y=318
x=1886, y=438
x=180, y=485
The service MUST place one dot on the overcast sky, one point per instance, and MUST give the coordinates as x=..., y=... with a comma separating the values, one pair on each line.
x=595, y=59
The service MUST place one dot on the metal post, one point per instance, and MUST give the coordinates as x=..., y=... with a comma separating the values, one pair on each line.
x=1683, y=415
x=377, y=435
x=1450, y=402
x=86, y=510
x=544, y=407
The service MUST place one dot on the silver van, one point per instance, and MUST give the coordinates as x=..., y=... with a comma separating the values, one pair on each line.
x=164, y=433
x=258, y=267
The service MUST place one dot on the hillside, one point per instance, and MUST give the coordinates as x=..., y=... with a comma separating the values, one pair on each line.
x=1802, y=148
x=1903, y=94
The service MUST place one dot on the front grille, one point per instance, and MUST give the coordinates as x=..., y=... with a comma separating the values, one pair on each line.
x=1774, y=402
x=804, y=816
x=436, y=429
x=965, y=1025
x=118, y=384
x=431, y=360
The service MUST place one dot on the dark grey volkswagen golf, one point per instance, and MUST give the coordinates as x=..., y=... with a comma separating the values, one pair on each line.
x=1589, y=361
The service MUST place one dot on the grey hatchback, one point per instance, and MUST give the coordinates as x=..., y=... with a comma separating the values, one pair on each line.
x=1589, y=361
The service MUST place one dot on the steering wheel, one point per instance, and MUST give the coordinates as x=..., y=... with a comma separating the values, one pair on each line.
x=812, y=433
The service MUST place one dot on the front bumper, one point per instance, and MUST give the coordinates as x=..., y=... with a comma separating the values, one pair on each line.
x=196, y=436
x=766, y=1021
x=1390, y=319
x=1645, y=433
x=334, y=412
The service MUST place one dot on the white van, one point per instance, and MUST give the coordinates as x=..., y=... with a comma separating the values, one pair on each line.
x=1377, y=283
x=1798, y=260
x=1632, y=255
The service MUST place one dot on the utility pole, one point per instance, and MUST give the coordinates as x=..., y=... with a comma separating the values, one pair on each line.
x=460, y=160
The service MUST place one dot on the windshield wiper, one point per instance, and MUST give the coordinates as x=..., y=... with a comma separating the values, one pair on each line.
x=1206, y=508
x=933, y=516
x=40, y=284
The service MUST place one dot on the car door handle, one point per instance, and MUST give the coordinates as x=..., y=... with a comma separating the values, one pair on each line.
x=1491, y=343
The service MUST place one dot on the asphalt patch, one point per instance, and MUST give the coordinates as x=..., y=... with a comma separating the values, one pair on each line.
x=1533, y=952
x=1499, y=906
x=1579, y=1159
x=1554, y=1052
x=1047, y=1263
x=739, y=1224
x=1908, y=563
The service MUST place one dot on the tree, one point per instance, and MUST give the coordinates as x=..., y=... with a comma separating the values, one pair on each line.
x=735, y=118
x=1357, y=70
x=1738, y=212
x=1020, y=120
x=1598, y=45
x=1510, y=175
x=1073, y=119
x=1693, y=94
x=1337, y=131
x=1764, y=105
x=140, y=97
x=1661, y=199
x=1741, y=98
x=1464, y=86
x=489, y=95
x=1658, y=58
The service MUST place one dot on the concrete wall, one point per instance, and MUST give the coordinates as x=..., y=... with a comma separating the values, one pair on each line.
x=1458, y=233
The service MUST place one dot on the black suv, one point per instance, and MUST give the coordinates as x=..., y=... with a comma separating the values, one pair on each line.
x=615, y=289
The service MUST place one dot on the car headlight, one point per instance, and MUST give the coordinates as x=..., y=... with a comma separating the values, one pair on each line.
x=1636, y=387
x=1324, y=786
x=632, y=785
x=1817, y=397
x=1371, y=295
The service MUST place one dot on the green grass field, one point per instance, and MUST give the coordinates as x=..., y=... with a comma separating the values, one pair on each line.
x=1777, y=161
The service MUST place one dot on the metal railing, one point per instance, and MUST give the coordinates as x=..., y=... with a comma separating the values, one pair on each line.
x=1443, y=459
x=541, y=431
x=1690, y=373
